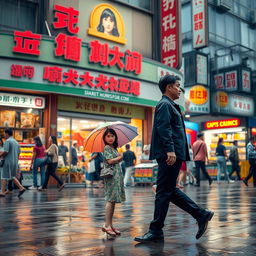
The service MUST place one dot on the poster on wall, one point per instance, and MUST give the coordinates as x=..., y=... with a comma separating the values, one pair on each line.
x=7, y=118
x=200, y=23
x=197, y=99
x=227, y=103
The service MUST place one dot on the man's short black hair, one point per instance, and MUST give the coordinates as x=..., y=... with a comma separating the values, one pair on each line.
x=199, y=135
x=127, y=146
x=8, y=131
x=165, y=80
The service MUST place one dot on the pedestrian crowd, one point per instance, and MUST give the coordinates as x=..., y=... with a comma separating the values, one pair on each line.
x=179, y=164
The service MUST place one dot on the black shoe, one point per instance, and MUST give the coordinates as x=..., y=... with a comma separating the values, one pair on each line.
x=149, y=237
x=210, y=182
x=245, y=182
x=203, y=223
x=21, y=193
x=197, y=185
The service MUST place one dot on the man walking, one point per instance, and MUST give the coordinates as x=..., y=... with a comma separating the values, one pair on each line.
x=11, y=155
x=234, y=158
x=251, y=156
x=200, y=155
x=129, y=159
x=63, y=150
x=169, y=147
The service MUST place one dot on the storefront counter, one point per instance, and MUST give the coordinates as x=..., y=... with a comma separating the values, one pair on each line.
x=145, y=173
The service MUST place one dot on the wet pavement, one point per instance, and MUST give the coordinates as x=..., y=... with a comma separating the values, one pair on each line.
x=68, y=223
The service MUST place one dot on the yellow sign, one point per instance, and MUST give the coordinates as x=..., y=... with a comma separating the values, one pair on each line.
x=221, y=99
x=106, y=22
x=103, y=108
x=198, y=95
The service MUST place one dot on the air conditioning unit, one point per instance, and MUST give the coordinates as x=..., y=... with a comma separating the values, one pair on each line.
x=224, y=5
x=253, y=17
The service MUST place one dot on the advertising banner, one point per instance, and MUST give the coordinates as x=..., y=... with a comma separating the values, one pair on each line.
x=200, y=23
x=170, y=33
x=227, y=103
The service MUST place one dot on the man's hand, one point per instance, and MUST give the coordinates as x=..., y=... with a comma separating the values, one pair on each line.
x=171, y=158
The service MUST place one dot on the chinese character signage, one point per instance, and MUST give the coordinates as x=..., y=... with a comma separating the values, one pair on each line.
x=246, y=81
x=201, y=69
x=170, y=33
x=23, y=101
x=77, y=81
x=197, y=99
x=232, y=104
x=107, y=23
x=219, y=81
x=231, y=80
x=200, y=23
x=78, y=104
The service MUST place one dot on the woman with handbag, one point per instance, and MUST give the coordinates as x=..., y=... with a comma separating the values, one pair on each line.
x=52, y=163
x=113, y=185
x=37, y=160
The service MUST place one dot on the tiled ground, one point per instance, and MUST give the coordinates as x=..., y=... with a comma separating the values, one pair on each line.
x=68, y=223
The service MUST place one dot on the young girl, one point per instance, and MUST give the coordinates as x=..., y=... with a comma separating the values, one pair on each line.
x=108, y=23
x=114, y=186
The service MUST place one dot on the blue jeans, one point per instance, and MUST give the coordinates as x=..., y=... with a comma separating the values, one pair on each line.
x=222, y=167
x=36, y=165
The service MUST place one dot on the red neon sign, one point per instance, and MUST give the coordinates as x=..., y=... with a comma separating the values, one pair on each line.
x=220, y=124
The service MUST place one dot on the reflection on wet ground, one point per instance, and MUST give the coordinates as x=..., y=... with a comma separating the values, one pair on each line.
x=68, y=223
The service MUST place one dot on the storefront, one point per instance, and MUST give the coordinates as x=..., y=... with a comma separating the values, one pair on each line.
x=84, y=82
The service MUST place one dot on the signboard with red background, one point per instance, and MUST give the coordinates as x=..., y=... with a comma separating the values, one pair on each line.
x=170, y=33
x=200, y=23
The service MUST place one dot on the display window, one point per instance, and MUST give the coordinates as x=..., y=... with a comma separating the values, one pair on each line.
x=72, y=133
x=24, y=121
x=229, y=135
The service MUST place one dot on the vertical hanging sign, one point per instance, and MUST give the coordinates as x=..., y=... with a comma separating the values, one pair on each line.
x=170, y=33
x=200, y=23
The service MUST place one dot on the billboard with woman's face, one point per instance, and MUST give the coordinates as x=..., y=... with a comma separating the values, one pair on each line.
x=107, y=23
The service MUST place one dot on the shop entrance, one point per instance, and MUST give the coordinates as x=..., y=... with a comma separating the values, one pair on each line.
x=73, y=129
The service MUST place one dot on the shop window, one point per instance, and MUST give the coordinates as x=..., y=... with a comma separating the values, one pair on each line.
x=23, y=15
x=25, y=123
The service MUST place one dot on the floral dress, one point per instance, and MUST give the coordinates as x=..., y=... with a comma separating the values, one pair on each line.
x=114, y=186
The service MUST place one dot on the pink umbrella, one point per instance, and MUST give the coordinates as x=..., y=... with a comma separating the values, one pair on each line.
x=125, y=133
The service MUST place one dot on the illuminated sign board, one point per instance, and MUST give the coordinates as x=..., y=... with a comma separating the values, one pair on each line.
x=221, y=124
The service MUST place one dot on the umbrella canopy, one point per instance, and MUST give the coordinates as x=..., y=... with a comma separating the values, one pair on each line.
x=125, y=133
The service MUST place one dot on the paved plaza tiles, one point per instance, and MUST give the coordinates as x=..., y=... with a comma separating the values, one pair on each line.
x=68, y=223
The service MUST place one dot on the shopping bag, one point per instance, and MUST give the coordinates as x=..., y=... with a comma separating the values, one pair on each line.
x=91, y=167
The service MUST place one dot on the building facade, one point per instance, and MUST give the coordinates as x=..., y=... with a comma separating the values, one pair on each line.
x=67, y=66
x=220, y=74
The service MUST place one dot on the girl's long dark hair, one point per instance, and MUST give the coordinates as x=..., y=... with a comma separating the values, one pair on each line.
x=38, y=141
x=219, y=141
x=54, y=140
x=105, y=14
x=111, y=131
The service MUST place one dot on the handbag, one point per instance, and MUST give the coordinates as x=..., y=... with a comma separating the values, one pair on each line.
x=1, y=162
x=107, y=172
x=48, y=159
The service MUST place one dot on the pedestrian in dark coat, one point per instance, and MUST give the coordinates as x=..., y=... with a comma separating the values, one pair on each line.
x=169, y=147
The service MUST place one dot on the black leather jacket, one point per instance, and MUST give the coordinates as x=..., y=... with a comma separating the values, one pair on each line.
x=168, y=134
